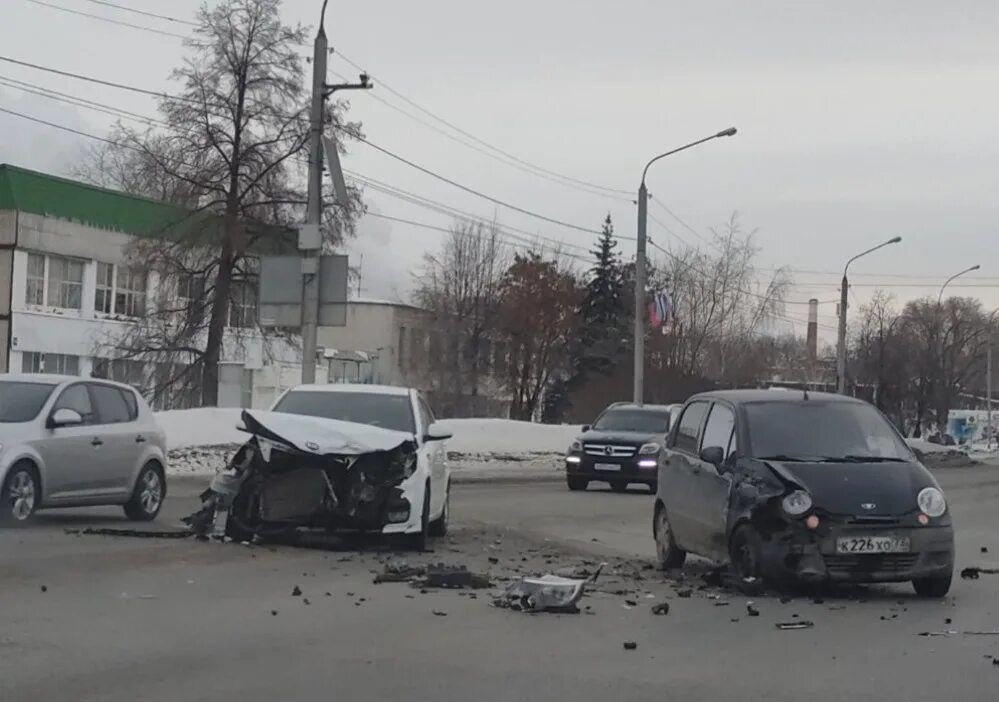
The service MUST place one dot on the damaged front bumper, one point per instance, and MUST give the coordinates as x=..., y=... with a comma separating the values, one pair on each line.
x=307, y=472
x=803, y=555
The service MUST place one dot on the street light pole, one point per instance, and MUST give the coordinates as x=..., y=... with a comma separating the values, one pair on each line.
x=841, y=337
x=640, y=267
x=939, y=324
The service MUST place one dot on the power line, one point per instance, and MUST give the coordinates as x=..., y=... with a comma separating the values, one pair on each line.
x=143, y=12
x=106, y=19
x=98, y=81
x=477, y=140
x=66, y=129
x=683, y=223
x=488, y=154
x=472, y=191
x=76, y=101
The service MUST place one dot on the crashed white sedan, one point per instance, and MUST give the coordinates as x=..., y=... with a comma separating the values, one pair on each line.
x=333, y=457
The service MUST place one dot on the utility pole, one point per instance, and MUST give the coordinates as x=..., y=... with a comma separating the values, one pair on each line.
x=639, y=386
x=310, y=241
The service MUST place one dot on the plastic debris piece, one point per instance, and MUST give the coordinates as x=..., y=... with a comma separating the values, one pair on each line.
x=938, y=633
x=630, y=645
x=752, y=611
x=660, y=608
x=296, y=592
x=788, y=626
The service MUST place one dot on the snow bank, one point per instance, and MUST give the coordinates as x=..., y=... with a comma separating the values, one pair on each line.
x=923, y=446
x=205, y=426
x=505, y=436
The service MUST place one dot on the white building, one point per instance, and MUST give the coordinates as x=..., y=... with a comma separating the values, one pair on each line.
x=66, y=288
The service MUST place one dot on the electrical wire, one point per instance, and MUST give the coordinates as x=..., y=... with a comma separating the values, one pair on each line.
x=106, y=19
x=476, y=139
x=143, y=12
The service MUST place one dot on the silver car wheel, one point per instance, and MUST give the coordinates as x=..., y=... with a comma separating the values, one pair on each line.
x=151, y=493
x=22, y=495
x=662, y=535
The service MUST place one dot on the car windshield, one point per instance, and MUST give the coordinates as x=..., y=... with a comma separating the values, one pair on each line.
x=21, y=402
x=823, y=431
x=644, y=421
x=385, y=411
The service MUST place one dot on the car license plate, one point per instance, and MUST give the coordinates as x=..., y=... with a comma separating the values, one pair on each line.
x=872, y=544
x=607, y=466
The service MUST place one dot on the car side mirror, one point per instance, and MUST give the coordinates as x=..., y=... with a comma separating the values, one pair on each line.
x=65, y=417
x=714, y=455
x=586, y=427
x=435, y=432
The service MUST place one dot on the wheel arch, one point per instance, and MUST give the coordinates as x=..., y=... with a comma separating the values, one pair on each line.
x=35, y=465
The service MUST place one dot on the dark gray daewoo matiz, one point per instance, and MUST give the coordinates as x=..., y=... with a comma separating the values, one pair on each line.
x=797, y=486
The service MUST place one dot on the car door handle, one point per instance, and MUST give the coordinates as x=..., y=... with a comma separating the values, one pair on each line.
x=140, y=439
x=96, y=441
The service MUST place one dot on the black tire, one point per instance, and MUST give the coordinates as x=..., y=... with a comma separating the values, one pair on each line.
x=745, y=554
x=933, y=587
x=619, y=486
x=438, y=527
x=669, y=554
x=576, y=483
x=418, y=541
x=147, y=495
x=20, y=495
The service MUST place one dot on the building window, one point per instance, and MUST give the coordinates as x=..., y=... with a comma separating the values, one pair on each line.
x=104, y=296
x=190, y=303
x=56, y=363
x=242, y=305
x=35, y=291
x=121, y=370
x=54, y=281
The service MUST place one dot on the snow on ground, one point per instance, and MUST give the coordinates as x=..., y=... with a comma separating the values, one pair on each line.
x=925, y=447
x=200, y=441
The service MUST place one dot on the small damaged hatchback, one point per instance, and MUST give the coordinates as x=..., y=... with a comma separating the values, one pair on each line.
x=792, y=486
x=335, y=457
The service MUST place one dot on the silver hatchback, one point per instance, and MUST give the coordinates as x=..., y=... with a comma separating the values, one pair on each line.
x=76, y=442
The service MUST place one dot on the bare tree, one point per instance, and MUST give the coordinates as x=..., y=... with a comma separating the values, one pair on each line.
x=461, y=287
x=229, y=150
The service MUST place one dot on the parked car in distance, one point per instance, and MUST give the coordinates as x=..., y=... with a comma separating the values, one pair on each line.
x=621, y=447
x=339, y=456
x=77, y=442
x=798, y=486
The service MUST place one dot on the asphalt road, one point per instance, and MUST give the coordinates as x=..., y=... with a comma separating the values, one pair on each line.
x=164, y=620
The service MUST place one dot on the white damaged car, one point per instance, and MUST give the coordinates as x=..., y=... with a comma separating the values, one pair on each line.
x=336, y=457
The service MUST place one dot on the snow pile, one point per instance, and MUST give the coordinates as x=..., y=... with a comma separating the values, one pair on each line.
x=922, y=447
x=205, y=426
x=507, y=437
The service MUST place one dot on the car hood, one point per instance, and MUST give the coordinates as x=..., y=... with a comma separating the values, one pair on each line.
x=842, y=488
x=322, y=436
x=619, y=437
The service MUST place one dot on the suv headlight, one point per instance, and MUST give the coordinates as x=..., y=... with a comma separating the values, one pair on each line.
x=797, y=503
x=576, y=445
x=649, y=448
x=932, y=502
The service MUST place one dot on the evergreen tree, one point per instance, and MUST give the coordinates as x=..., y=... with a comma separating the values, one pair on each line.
x=604, y=310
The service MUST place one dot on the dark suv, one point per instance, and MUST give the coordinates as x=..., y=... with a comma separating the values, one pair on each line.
x=621, y=447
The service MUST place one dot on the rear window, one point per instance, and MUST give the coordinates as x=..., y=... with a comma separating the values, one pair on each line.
x=112, y=408
x=21, y=402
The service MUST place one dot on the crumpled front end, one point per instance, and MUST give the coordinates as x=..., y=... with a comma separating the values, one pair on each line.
x=272, y=485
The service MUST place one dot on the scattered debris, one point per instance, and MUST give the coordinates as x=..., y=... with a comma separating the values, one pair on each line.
x=837, y=608
x=785, y=599
x=453, y=577
x=786, y=626
x=660, y=608
x=439, y=613
x=493, y=560
x=684, y=593
x=948, y=620
x=724, y=603
x=938, y=633
x=751, y=610
x=305, y=601
x=973, y=573
x=273, y=612
x=297, y=592
x=818, y=600
x=631, y=603
x=126, y=596
x=44, y=588
x=630, y=645
x=549, y=593
x=982, y=633
x=147, y=534
x=985, y=549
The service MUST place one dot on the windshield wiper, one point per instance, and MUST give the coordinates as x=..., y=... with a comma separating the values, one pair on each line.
x=873, y=459
x=792, y=459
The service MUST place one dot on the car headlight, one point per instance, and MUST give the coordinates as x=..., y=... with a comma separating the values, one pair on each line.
x=649, y=448
x=798, y=502
x=931, y=501
x=576, y=445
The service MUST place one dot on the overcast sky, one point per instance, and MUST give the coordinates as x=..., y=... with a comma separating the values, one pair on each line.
x=857, y=120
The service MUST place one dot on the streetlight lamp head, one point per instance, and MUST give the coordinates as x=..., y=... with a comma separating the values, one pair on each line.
x=726, y=132
x=895, y=240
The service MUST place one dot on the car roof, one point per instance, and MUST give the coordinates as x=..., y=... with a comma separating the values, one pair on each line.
x=55, y=379
x=355, y=387
x=633, y=406
x=738, y=397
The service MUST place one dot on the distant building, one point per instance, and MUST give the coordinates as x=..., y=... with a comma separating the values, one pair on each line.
x=66, y=287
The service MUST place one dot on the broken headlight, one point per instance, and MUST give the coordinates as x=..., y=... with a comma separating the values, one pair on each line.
x=931, y=501
x=648, y=449
x=797, y=503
